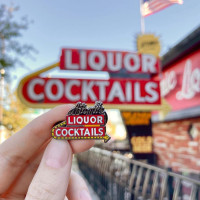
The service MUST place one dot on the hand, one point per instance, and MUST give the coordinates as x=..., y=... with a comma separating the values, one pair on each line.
x=34, y=166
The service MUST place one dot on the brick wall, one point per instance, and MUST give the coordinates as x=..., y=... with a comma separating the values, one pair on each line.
x=175, y=147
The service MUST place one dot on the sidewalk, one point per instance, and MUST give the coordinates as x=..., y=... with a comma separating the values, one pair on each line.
x=76, y=169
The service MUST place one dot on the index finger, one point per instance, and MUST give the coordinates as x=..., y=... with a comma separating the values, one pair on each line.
x=18, y=149
x=24, y=143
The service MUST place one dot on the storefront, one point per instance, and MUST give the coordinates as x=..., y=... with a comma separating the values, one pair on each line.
x=177, y=137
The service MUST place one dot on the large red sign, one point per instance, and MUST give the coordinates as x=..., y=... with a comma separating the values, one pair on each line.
x=180, y=84
x=114, y=91
x=110, y=61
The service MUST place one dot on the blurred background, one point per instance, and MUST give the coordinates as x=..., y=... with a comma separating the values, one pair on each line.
x=32, y=36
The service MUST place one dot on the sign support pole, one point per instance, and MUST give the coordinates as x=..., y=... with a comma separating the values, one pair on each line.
x=142, y=18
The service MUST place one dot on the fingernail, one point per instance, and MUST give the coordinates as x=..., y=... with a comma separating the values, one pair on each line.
x=57, y=154
x=84, y=195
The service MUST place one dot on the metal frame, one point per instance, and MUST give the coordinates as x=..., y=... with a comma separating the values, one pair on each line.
x=114, y=176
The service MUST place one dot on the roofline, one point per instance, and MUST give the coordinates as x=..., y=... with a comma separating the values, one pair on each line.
x=186, y=46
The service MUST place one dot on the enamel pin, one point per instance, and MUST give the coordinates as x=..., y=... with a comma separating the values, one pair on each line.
x=83, y=123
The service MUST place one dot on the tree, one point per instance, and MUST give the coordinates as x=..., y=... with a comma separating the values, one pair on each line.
x=11, y=51
x=14, y=112
x=10, y=30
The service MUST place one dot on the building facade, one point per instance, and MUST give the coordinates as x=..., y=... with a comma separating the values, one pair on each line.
x=177, y=137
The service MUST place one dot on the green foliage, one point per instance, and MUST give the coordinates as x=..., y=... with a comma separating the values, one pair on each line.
x=10, y=31
x=12, y=51
x=14, y=112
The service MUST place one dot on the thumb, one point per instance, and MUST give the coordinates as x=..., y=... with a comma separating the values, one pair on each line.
x=52, y=177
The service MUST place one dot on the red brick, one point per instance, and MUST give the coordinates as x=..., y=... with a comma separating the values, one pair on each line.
x=175, y=147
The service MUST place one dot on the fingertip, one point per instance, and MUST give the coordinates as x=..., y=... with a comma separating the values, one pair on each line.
x=49, y=118
x=62, y=108
x=78, y=146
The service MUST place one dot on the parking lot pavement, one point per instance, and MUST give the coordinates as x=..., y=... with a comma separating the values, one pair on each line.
x=76, y=169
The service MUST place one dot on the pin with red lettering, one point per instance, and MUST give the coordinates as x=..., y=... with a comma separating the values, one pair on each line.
x=83, y=123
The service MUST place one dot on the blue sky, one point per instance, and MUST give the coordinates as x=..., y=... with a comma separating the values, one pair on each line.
x=103, y=24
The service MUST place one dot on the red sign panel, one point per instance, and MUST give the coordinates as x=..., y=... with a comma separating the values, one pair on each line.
x=180, y=84
x=72, y=120
x=68, y=132
x=110, y=61
x=113, y=91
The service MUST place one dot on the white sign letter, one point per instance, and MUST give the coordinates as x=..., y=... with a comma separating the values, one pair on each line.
x=128, y=91
x=83, y=59
x=149, y=88
x=87, y=91
x=116, y=92
x=102, y=90
x=68, y=90
x=148, y=63
x=137, y=93
x=68, y=61
x=98, y=66
x=49, y=92
x=127, y=62
x=111, y=66
x=31, y=91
